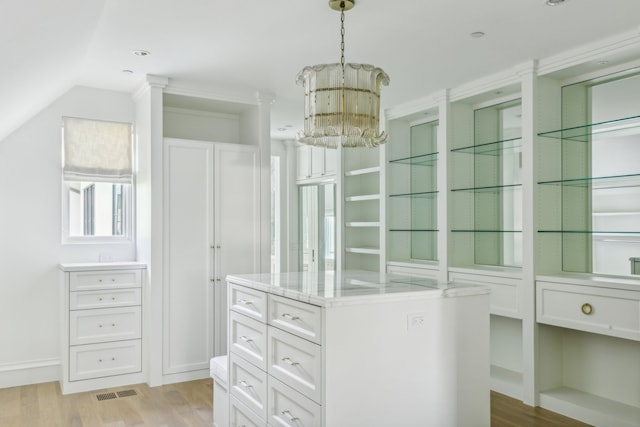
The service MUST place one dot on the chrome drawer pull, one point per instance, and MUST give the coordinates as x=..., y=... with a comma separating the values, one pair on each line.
x=586, y=308
x=245, y=384
x=289, y=316
x=288, y=415
x=245, y=302
x=245, y=338
x=289, y=361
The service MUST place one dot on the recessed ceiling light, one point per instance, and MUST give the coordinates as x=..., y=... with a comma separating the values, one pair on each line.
x=477, y=34
x=605, y=62
x=141, y=52
x=555, y=2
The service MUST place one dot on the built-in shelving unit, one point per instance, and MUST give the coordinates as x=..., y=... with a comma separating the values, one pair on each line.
x=488, y=186
x=587, y=299
x=361, y=190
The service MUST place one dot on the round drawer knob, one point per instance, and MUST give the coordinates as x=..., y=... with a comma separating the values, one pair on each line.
x=586, y=308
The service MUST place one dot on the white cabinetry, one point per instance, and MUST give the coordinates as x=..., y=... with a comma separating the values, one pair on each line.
x=212, y=227
x=315, y=163
x=302, y=355
x=102, y=325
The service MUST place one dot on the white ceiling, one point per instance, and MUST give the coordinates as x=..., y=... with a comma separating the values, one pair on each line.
x=258, y=45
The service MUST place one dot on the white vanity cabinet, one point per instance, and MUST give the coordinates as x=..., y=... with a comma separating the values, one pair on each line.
x=101, y=325
x=357, y=349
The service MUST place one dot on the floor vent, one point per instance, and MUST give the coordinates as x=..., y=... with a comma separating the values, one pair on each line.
x=126, y=393
x=106, y=396
x=116, y=395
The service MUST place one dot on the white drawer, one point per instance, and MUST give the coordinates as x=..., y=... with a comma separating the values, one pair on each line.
x=104, y=279
x=248, y=301
x=105, y=298
x=296, y=362
x=248, y=338
x=505, y=297
x=104, y=324
x=241, y=416
x=291, y=409
x=606, y=311
x=103, y=360
x=249, y=385
x=302, y=319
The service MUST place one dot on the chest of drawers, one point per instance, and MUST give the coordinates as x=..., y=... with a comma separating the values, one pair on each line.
x=305, y=362
x=101, y=325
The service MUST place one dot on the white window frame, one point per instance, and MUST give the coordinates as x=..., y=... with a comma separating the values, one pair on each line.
x=128, y=219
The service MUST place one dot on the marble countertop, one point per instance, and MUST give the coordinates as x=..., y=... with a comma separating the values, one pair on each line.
x=328, y=289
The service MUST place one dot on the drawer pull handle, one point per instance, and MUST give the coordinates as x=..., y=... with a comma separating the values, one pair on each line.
x=288, y=415
x=245, y=302
x=289, y=316
x=586, y=308
x=245, y=338
x=289, y=361
x=100, y=299
x=245, y=384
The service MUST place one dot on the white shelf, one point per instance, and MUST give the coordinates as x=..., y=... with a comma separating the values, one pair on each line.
x=368, y=251
x=590, y=408
x=362, y=197
x=355, y=172
x=363, y=224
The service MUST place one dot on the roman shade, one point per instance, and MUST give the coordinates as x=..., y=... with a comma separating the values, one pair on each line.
x=97, y=151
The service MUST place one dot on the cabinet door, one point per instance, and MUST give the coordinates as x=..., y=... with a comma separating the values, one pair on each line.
x=303, y=162
x=188, y=258
x=237, y=223
x=317, y=162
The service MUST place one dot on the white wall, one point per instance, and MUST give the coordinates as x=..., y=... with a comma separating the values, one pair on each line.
x=30, y=234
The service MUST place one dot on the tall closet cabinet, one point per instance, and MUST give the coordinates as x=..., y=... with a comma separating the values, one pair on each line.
x=212, y=222
x=203, y=206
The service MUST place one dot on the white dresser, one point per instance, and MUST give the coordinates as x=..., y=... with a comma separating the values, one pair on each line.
x=357, y=349
x=101, y=325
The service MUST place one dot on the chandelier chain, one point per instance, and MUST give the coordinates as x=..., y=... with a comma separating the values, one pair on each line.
x=342, y=36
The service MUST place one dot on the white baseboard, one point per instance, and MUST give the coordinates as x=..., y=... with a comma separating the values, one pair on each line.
x=185, y=376
x=29, y=372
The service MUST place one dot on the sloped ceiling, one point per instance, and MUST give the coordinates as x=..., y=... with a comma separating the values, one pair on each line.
x=257, y=45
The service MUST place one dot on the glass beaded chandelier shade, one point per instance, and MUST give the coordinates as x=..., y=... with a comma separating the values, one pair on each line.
x=342, y=101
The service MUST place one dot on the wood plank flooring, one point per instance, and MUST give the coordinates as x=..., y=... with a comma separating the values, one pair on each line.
x=183, y=404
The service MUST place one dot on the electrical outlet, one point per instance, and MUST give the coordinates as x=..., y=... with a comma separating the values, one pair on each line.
x=416, y=320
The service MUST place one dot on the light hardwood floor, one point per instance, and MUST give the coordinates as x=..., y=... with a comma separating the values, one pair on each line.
x=183, y=404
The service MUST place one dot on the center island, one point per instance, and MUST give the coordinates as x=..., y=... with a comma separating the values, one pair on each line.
x=357, y=348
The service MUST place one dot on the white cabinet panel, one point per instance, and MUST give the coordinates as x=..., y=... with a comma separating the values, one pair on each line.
x=105, y=298
x=304, y=320
x=249, y=302
x=102, y=360
x=296, y=362
x=88, y=280
x=104, y=325
x=248, y=338
x=212, y=227
x=288, y=408
x=612, y=312
x=248, y=384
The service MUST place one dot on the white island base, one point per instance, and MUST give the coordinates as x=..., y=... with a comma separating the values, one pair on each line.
x=358, y=349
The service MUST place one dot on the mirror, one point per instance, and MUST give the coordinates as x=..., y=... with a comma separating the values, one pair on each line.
x=317, y=227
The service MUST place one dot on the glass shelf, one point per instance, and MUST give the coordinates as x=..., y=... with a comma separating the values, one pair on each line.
x=492, y=148
x=420, y=195
x=411, y=230
x=599, y=182
x=421, y=160
x=612, y=233
x=490, y=189
x=486, y=231
x=584, y=133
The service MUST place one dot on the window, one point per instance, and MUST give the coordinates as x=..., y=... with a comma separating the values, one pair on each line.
x=97, y=180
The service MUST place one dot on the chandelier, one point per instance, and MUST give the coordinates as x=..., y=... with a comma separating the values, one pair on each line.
x=342, y=101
